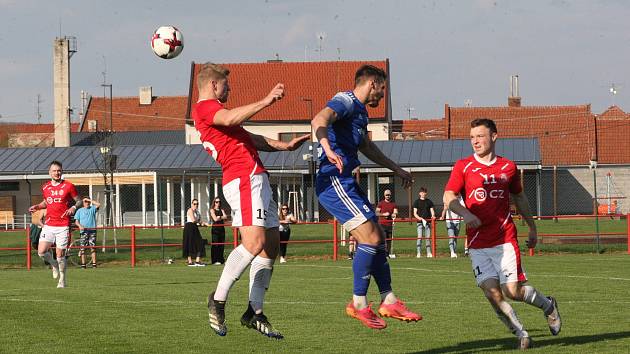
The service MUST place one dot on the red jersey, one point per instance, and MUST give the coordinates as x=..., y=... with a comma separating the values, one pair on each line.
x=58, y=199
x=486, y=190
x=386, y=207
x=231, y=147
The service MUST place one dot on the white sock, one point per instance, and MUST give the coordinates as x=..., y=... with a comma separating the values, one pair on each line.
x=360, y=302
x=47, y=257
x=61, y=261
x=388, y=298
x=535, y=298
x=507, y=315
x=259, y=278
x=237, y=262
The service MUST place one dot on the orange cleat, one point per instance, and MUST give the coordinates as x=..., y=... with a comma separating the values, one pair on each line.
x=366, y=316
x=398, y=311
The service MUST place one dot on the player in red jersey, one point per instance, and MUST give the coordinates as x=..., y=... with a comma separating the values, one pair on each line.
x=61, y=200
x=246, y=188
x=487, y=183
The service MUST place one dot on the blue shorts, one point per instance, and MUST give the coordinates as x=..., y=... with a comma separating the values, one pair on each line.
x=345, y=200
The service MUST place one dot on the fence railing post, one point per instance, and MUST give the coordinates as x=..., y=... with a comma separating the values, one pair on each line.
x=335, y=240
x=235, y=237
x=433, y=238
x=628, y=223
x=133, y=246
x=28, y=246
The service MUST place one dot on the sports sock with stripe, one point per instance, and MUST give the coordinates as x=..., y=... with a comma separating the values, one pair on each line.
x=259, y=278
x=362, y=269
x=535, y=298
x=506, y=314
x=382, y=274
x=237, y=262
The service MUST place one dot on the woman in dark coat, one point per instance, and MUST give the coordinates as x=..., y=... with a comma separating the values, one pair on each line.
x=219, y=217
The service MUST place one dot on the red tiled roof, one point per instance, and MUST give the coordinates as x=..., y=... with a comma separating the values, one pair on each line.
x=164, y=113
x=319, y=81
x=613, y=136
x=565, y=133
x=613, y=113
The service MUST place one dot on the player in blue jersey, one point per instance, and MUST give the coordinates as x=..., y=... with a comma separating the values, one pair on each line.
x=341, y=128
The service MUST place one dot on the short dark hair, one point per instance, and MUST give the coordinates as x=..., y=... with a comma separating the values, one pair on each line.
x=369, y=71
x=423, y=189
x=55, y=162
x=488, y=123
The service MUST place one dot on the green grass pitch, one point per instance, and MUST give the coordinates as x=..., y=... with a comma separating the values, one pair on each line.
x=161, y=309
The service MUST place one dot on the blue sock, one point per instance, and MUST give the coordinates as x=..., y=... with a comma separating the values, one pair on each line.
x=380, y=270
x=362, y=268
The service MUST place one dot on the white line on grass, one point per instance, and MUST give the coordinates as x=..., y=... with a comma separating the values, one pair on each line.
x=180, y=303
x=468, y=272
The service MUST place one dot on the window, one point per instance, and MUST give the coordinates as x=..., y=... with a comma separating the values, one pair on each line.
x=9, y=186
x=286, y=137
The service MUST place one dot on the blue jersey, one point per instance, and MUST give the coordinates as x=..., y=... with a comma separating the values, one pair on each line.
x=346, y=134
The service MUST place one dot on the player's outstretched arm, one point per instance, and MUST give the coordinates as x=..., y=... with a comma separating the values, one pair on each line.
x=522, y=207
x=320, y=124
x=372, y=152
x=452, y=201
x=262, y=143
x=238, y=115
x=36, y=207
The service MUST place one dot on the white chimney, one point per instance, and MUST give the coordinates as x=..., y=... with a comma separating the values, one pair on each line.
x=146, y=95
x=61, y=91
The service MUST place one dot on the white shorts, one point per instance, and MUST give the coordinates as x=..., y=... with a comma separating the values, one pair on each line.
x=55, y=234
x=502, y=262
x=251, y=201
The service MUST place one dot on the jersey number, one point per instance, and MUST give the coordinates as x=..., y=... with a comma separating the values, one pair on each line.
x=476, y=271
x=262, y=214
x=488, y=179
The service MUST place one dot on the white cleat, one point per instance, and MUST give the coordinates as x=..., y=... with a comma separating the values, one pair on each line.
x=453, y=255
x=553, y=319
x=430, y=255
x=419, y=255
x=392, y=256
x=61, y=284
x=524, y=342
x=283, y=260
x=55, y=271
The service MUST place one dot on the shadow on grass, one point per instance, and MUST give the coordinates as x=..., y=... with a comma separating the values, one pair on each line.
x=501, y=344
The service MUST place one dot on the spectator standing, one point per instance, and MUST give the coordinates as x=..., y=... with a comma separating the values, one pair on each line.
x=85, y=219
x=192, y=244
x=424, y=212
x=286, y=219
x=218, y=218
x=387, y=211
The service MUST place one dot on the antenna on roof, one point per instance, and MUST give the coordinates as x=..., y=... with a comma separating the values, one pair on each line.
x=38, y=111
x=321, y=36
x=614, y=89
x=409, y=110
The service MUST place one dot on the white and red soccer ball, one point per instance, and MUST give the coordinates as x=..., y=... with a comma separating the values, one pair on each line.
x=167, y=42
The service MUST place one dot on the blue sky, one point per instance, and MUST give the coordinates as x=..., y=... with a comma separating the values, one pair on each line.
x=565, y=52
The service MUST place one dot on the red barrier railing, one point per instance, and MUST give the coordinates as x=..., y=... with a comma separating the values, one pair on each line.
x=133, y=246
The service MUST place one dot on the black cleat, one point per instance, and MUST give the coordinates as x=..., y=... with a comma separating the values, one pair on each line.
x=260, y=323
x=216, y=314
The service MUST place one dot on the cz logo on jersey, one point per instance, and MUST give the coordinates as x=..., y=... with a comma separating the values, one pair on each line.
x=480, y=194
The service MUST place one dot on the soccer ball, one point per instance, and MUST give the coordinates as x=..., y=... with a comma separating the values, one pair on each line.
x=167, y=42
